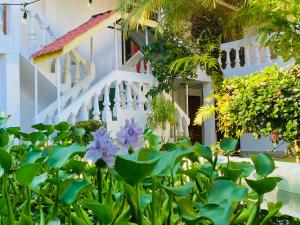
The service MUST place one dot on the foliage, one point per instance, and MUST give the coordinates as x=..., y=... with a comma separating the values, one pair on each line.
x=168, y=47
x=162, y=113
x=277, y=23
x=264, y=104
x=89, y=126
x=145, y=186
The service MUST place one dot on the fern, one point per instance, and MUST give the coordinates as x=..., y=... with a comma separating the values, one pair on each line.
x=203, y=113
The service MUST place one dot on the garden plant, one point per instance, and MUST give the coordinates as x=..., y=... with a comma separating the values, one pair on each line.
x=50, y=176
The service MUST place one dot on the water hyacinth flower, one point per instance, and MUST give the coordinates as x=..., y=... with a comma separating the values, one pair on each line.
x=102, y=148
x=130, y=135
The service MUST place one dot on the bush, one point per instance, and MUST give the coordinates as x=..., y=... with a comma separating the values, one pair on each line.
x=264, y=104
x=89, y=126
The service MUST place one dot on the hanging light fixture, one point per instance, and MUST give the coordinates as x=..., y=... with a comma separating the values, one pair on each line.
x=25, y=14
x=89, y=4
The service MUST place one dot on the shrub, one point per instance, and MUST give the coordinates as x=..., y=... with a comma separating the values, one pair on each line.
x=89, y=126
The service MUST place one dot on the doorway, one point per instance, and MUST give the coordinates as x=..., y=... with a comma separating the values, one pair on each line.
x=195, y=131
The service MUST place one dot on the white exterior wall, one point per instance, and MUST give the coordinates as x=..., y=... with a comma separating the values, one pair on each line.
x=66, y=15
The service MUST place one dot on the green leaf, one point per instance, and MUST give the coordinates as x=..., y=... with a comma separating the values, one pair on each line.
x=222, y=190
x=26, y=173
x=58, y=155
x=134, y=171
x=202, y=151
x=236, y=170
x=228, y=144
x=37, y=181
x=102, y=211
x=153, y=140
x=70, y=189
x=62, y=126
x=48, y=129
x=264, y=164
x=263, y=185
x=4, y=140
x=185, y=208
x=180, y=191
x=5, y=160
x=32, y=157
x=79, y=132
x=273, y=210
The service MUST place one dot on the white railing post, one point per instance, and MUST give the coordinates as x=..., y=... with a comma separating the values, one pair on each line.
x=72, y=118
x=96, y=111
x=140, y=102
x=67, y=73
x=76, y=73
x=117, y=100
x=106, y=114
x=50, y=119
x=237, y=57
x=267, y=54
x=148, y=103
x=247, y=55
x=256, y=52
x=32, y=35
x=128, y=96
x=142, y=66
x=58, y=86
x=185, y=125
x=116, y=46
x=84, y=112
x=36, y=93
x=44, y=29
x=228, y=61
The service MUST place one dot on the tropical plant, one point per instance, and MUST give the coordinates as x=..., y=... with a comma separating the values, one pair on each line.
x=162, y=113
x=89, y=127
x=47, y=178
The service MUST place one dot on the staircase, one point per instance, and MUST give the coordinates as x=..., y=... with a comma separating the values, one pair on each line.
x=119, y=95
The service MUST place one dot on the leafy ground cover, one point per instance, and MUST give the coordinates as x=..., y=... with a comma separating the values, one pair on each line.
x=51, y=177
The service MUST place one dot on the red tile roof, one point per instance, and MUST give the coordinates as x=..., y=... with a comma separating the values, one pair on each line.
x=59, y=43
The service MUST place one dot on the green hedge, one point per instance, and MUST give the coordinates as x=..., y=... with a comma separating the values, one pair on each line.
x=264, y=104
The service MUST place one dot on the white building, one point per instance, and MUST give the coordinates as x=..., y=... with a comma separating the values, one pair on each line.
x=89, y=75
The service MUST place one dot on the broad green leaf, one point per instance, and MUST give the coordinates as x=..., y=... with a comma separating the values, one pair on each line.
x=153, y=140
x=228, y=144
x=236, y=170
x=48, y=129
x=32, y=157
x=26, y=173
x=79, y=132
x=202, y=151
x=76, y=166
x=15, y=131
x=58, y=155
x=134, y=171
x=222, y=190
x=186, y=209
x=5, y=160
x=264, y=164
x=4, y=140
x=38, y=181
x=146, y=199
x=263, y=185
x=102, y=211
x=62, y=126
x=185, y=143
x=180, y=191
x=70, y=189
x=245, y=214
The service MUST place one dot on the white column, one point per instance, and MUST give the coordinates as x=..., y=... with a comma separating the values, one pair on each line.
x=32, y=35
x=210, y=135
x=117, y=105
x=36, y=92
x=76, y=73
x=84, y=112
x=96, y=111
x=187, y=98
x=256, y=52
x=247, y=55
x=228, y=61
x=58, y=86
x=237, y=58
x=73, y=118
x=147, y=43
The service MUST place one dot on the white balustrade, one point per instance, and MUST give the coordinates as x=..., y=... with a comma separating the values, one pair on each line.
x=96, y=111
x=128, y=96
x=2, y=19
x=106, y=114
x=117, y=100
x=84, y=114
x=250, y=57
x=140, y=102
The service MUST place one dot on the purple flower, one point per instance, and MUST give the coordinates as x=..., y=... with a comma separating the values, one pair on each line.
x=130, y=135
x=102, y=147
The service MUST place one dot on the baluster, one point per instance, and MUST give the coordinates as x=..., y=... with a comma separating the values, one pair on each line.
x=84, y=112
x=77, y=73
x=117, y=100
x=140, y=103
x=237, y=57
x=122, y=95
x=267, y=54
x=106, y=115
x=148, y=103
x=228, y=61
x=179, y=124
x=32, y=33
x=247, y=55
x=50, y=119
x=185, y=125
x=128, y=96
x=73, y=118
x=96, y=112
x=44, y=29
x=256, y=52
x=67, y=73
x=142, y=66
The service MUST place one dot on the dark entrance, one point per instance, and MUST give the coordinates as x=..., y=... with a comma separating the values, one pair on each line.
x=195, y=131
